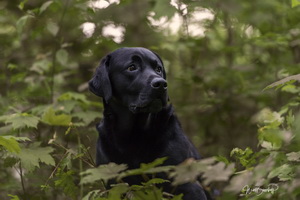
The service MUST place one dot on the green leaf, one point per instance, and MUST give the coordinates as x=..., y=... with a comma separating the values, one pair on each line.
x=10, y=144
x=117, y=191
x=45, y=6
x=163, y=8
x=67, y=106
x=53, y=119
x=10, y=161
x=177, y=197
x=188, y=171
x=284, y=172
x=66, y=182
x=155, y=181
x=147, y=194
x=266, y=116
x=41, y=66
x=52, y=27
x=92, y=195
x=295, y=3
x=103, y=172
x=270, y=139
x=22, y=22
x=87, y=117
x=145, y=168
x=246, y=157
x=31, y=157
x=22, y=120
x=290, y=88
x=62, y=56
x=218, y=172
x=13, y=197
x=73, y=96
x=22, y=4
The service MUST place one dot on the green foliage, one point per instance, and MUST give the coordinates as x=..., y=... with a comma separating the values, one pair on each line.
x=295, y=3
x=53, y=119
x=104, y=172
x=217, y=68
x=10, y=144
x=13, y=197
x=31, y=156
x=65, y=181
x=22, y=120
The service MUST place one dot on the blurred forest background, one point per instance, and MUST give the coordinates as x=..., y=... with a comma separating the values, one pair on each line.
x=219, y=56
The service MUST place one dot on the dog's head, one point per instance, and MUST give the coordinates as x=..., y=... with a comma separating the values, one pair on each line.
x=133, y=77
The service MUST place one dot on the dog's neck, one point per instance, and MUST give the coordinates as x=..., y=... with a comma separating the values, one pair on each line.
x=126, y=121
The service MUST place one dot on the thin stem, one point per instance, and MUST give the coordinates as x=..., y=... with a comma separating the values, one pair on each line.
x=80, y=163
x=22, y=179
x=56, y=167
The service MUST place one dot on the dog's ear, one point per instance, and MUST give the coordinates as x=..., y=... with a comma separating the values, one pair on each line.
x=100, y=83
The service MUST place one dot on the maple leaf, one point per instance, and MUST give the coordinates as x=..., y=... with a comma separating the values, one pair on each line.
x=31, y=157
x=293, y=156
x=10, y=144
x=185, y=172
x=87, y=117
x=218, y=172
x=49, y=117
x=103, y=172
x=22, y=120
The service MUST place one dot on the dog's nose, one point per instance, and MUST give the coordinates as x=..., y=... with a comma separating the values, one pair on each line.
x=159, y=84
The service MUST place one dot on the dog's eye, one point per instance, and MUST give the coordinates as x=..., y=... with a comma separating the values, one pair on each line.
x=158, y=69
x=132, y=68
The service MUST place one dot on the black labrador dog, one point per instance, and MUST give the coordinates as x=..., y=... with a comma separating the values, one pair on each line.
x=138, y=124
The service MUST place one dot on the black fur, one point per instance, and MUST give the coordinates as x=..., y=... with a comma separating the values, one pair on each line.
x=139, y=125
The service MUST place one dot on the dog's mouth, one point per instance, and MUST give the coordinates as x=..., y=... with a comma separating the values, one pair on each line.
x=153, y=107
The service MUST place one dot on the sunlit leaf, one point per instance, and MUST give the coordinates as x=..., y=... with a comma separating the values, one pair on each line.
x=51, y=118
x=73, y=96
x=13, y=197
x=22, y=4
x=270, y=139
x=295, y=3
x=10, y=144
